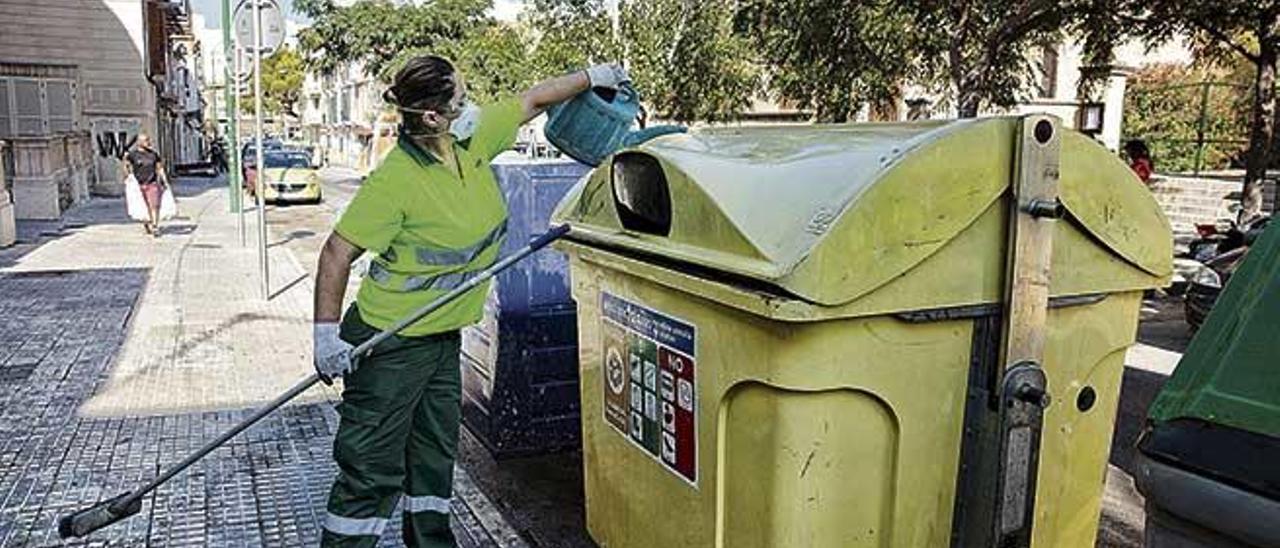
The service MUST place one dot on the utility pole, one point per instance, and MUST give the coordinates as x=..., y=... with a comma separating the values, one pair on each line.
x=259, y=182
x=235, y=121
x=232, y=132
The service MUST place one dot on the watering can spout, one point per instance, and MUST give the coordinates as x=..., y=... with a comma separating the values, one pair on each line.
x=639, y=136
x=597, y=123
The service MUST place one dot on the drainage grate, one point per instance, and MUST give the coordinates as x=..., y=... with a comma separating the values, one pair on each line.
x=16, y=373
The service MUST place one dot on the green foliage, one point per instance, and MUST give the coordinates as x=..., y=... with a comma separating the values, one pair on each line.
x=1164, y=108
x=567, y=35
x=831, y=56
x=493, y=59
x=686, y=61
x=983, y=49
x=1247, y=29
x=375, y=32
x=382, y=36
x=683, y=56
x=282, y=75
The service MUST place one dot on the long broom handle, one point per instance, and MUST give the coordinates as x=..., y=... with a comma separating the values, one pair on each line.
x=364, y=348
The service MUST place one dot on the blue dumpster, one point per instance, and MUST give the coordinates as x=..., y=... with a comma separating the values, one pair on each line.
x=520, y=364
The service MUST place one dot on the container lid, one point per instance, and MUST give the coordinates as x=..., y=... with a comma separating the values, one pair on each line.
x=1228, y=374
x=829, y=213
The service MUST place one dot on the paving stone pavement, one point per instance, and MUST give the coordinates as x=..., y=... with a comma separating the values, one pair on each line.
x=120, y=354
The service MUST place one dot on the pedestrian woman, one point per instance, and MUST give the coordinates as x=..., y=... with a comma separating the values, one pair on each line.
x=432, y=215
x=144, y=163
x=1140, y=159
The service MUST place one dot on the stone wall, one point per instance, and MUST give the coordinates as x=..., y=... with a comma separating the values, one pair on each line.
x=1189, y=200
x=50, y=174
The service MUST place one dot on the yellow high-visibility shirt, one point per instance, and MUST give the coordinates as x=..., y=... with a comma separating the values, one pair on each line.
x=430, y=227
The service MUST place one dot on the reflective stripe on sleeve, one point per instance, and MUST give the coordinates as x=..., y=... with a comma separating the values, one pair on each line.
x=379, y=272
x=426, y=503
x=354, y=527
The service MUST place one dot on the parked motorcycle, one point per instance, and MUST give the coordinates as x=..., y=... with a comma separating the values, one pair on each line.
x=1218, y=253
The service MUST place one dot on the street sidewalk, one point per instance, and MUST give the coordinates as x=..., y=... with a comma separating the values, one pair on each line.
x=120, y=354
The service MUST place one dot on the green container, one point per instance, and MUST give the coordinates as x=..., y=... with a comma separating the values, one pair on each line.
x=1209, y=464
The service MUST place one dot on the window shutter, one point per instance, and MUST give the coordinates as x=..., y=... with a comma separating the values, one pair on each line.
x=6, y=109
x=61, y=106
x=29, y=111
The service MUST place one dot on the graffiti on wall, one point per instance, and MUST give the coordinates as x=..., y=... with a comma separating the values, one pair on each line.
x=114, y=144
x=112, y=138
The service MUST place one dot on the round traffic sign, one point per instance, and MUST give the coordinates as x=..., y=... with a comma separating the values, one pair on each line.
x=273, y=28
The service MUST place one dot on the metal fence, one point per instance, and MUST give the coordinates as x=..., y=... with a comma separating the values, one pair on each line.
x=1191, y=127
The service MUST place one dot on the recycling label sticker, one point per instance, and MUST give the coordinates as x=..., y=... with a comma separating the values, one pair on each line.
x=650, y=395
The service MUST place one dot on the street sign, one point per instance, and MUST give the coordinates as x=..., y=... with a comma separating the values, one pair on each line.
x=272, y=25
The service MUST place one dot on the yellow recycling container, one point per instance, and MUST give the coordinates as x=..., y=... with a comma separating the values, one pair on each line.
x=797, y=336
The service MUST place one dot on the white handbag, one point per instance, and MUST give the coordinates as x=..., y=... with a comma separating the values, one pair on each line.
x=134, y=203
x=168, y=205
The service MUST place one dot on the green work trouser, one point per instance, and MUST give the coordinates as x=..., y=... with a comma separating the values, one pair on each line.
x=398, y=436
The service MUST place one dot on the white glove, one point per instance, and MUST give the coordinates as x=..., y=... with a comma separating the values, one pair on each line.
x=332, y=355
x=608, y=75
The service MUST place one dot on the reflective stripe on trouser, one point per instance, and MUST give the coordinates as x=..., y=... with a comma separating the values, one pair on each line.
x=397, y=439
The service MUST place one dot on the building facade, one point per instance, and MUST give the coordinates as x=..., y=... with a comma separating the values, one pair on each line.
x=344, y=116
x=79, y=80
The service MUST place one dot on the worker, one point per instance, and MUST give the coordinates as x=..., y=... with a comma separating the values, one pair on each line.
x=432, y=215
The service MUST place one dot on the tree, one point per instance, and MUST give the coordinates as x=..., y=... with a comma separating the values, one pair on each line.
x=683, y=56
x=1249, y=29
x=381, y=36
x=566, y=35
x=982, y=49
x=1163, y=105
x=832, y=56
x=282, y=75
x=686, y=60
x=374, y=32
x=493, y=60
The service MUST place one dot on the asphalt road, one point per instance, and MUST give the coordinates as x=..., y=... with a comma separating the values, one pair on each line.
x=542, y=497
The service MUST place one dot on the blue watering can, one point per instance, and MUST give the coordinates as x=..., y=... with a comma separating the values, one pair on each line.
x=597, y=123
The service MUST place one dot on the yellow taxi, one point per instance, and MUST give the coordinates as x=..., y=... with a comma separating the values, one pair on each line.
x=290, y=176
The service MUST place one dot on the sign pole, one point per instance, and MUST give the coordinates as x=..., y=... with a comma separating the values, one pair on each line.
x=231, y=110
x=259, y=181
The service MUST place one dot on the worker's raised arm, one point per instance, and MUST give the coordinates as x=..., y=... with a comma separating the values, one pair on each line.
x=560, y=89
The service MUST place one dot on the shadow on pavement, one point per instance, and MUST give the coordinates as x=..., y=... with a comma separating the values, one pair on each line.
x=1138, y=390
x=294, y=235
x=540, y=496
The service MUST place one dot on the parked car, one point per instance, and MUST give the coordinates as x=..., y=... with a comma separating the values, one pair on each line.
x=1206, y=282
x=249, y=157
x=289, y=177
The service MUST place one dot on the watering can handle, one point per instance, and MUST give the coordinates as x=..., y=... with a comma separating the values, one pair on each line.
x=629, y=93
